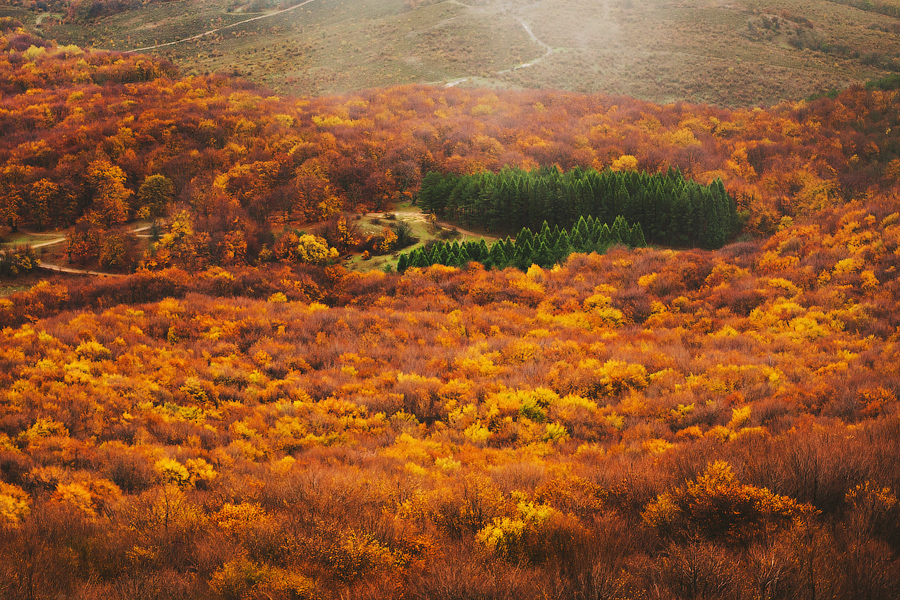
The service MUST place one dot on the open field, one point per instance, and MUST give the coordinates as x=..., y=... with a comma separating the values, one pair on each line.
x=740, y=53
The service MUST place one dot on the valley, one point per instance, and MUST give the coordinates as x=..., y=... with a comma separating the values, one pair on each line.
x=317, y=336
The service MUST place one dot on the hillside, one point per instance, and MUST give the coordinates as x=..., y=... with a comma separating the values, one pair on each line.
x=93, y=140
x=624, y=425
x=237, y=415
x=742, y=53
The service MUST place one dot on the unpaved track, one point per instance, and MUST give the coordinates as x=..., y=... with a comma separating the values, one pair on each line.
x=60, y=269
x=72, y=271
x=218, y=29
x=423, y=218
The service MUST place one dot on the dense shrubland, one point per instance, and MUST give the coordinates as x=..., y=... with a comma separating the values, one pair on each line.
x=645, y=423
x=238, y=421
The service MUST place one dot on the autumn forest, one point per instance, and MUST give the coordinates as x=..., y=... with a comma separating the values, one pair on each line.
x=669, y=372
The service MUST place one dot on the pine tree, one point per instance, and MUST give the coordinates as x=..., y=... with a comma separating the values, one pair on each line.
x=604, y=238
x=419, y=260
x=462, y=257
x=497, y=257
x=543, y=256
x=524, y=256
x=442, y=256
x=525, y=237
x=483, y=251
x=621, y=232
x=578, y=242
x=562, y=248
x=509, y=247
x=636, y=239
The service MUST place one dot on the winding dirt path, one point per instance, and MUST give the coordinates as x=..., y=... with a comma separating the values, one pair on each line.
x=549, y=51
x=61, y=269
x=49, y=243
x=423, y=218
x=71, y=270
x=218, y=29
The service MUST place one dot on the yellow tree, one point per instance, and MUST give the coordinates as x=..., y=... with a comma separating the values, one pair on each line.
x=110, y=194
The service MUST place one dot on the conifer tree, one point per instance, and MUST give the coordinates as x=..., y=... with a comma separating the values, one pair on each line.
x=636, y=239
x=462, y=257
x=497, y=257
x=524, y=256
x=419, y=261
x=604, y=238
x=543, y=255
x=621, y=233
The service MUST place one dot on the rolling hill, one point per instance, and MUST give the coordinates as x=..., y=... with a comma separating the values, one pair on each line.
x=740, y=53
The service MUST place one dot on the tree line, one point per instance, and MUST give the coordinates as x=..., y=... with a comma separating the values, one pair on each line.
x=545, y=249
x=671, y=209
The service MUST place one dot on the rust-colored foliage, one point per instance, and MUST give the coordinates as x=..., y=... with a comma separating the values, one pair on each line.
x=297, y=431
x=84, y=131
x=645, y=423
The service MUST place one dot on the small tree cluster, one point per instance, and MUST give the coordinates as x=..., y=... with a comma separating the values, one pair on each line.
x=545, y=249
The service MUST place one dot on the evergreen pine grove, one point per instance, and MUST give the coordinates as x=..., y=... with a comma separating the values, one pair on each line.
x=545, y=249
x=670, y=209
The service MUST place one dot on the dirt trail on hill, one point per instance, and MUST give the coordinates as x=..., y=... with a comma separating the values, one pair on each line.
x=61, y=269
x=549, y=51
x=218, y=29
x=422, y=217
x=527, y=28
x=71, y=270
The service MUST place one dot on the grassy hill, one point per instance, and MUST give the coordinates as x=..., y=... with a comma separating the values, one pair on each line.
x=729, y=53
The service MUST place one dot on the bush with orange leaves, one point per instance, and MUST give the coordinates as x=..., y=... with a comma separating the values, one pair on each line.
x=718, y=507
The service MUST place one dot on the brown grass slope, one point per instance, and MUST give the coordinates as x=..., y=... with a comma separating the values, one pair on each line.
x=740, y=53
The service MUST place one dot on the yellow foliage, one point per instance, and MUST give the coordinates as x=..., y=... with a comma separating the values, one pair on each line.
x=172, y=471
x=357, y=554
x=446, y=463
x=847, y=265
x=647, y=280
x=717, y=506
x=739, y=417
x=44, y=428
x=314, y=250
x=92, y=350
x=200, y=471
x=238, y=518
x=477, y=432
x=772, y=261
x=242, y=578
x=77, y=497
x=555, y=432
x=875, y=500
x=784, y=285
x=616, y=376
x=597, y=301
x=868, y=281
x=626, y=162
x=520, y=351
x=681, y=138
x=505, y=535
x=14, y=505
x=656, y=446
